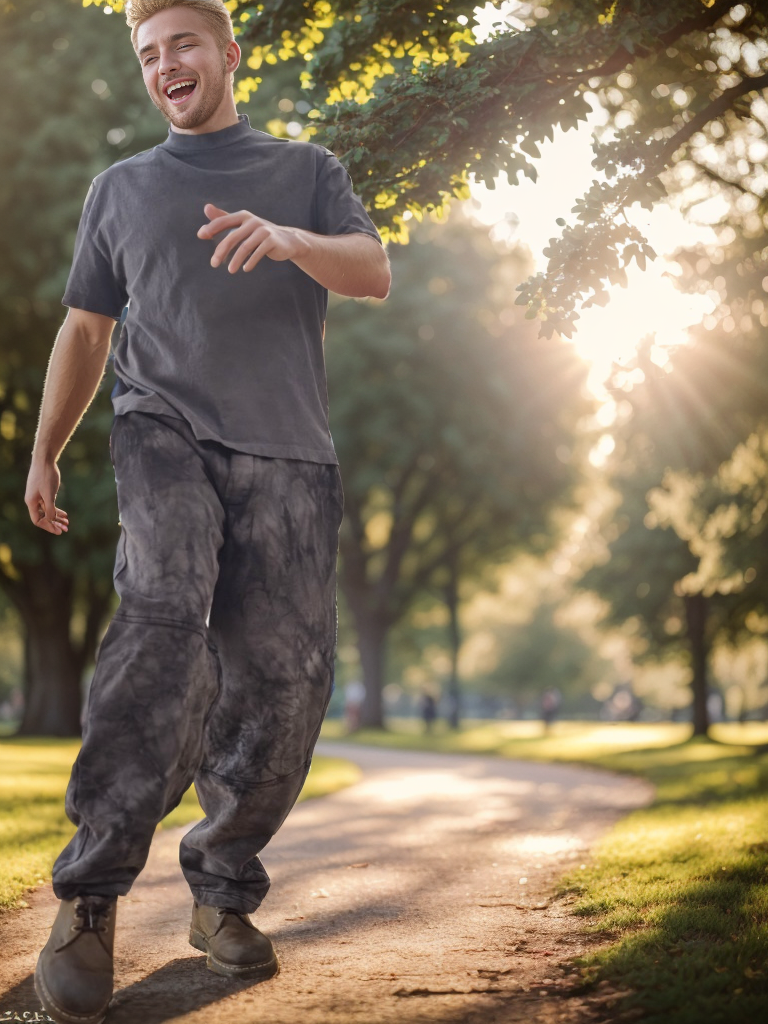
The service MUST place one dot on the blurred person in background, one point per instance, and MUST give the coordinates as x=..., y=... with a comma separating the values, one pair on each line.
x=428, y=707
x=217, y=667
x=354, y=695
x=551, y=699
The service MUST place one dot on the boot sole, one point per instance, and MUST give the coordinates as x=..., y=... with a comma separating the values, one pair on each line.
x=263, y=970
x=59, y=1015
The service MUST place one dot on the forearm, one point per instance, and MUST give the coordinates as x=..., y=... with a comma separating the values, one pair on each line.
x=75, y=370
x=354, y=265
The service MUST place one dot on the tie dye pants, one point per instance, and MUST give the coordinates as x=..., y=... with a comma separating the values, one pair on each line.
x=217, y=667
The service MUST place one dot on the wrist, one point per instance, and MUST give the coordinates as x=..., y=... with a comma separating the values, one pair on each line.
x=303, y=243
x=43, y=457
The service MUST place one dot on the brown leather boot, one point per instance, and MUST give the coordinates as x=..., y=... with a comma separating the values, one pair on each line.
x=74, y=974
x=235, y=947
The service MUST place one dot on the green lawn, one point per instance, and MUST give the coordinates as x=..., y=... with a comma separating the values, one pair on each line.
x=678, y=891
x=33, y=827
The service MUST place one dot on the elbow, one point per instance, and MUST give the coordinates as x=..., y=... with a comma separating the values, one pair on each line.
x=382, y=282
x=383, y=285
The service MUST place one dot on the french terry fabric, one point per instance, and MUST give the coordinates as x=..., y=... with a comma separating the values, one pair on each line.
x=238, y=356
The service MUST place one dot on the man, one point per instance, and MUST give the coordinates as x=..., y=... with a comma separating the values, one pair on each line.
x=218, y=664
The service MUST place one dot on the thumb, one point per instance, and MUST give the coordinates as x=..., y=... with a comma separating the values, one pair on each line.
x=47, y=514
x=49, y=505
x=212, y=211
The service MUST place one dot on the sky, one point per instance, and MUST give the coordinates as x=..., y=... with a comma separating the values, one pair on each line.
x=526, y=213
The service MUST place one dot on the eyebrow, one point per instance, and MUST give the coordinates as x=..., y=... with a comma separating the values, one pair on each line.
x=169, y=39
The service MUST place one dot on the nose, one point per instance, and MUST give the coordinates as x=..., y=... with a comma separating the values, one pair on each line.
x=168, y=63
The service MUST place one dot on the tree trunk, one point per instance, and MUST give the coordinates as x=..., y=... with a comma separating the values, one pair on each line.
x=696, y=611
x=53, y=665
x=372, y=643
x=454, y=639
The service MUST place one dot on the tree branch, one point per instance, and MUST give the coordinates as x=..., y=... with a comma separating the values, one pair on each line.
x=709, y=113
x=621, y=57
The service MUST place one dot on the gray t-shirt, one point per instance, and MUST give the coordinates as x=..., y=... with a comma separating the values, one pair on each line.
x=239, y=356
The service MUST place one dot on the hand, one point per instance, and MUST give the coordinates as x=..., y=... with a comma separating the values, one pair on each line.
x=257, y=237
x=42, y=486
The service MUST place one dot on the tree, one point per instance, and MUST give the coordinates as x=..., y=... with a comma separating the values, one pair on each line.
x=722, y=518
x=640, y=577
x=664, y=569
x=706, y=416
x=454, y=429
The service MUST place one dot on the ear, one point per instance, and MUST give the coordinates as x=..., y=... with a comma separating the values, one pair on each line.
x=232, y=55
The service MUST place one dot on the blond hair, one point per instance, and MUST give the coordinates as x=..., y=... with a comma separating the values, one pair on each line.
x=214, y=12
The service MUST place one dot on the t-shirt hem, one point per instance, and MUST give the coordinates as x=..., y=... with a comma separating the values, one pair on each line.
x=156, y=402
x=360, y=231
x=273, y=451
x=74, y=301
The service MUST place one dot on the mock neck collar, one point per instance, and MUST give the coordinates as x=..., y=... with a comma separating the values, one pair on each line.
x=180, y=141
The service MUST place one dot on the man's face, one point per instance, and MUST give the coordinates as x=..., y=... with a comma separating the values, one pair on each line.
x=177, y=46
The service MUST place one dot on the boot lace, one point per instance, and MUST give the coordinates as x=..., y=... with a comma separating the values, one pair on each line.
x=92, y=913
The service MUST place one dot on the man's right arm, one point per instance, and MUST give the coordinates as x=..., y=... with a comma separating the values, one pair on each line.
x=74, y=373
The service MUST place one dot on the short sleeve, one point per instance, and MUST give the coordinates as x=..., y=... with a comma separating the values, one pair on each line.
x=92, y=284
x=338, y=211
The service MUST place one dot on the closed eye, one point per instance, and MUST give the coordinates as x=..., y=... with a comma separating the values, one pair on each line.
x=183, y=45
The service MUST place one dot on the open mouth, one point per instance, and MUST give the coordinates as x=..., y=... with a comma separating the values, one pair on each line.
x=178, y=92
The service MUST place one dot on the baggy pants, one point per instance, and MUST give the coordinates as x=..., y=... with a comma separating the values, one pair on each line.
x=217, y=666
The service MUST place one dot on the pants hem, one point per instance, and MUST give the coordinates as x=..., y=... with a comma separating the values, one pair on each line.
x=217, y=898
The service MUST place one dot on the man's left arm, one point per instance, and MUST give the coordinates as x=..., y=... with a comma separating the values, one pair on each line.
x=354, y=264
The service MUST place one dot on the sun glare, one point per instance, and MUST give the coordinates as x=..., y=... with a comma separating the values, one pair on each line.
x=650, y=305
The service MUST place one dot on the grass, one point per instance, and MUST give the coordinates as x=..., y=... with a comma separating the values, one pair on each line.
x=34, y=828
x=677, y=892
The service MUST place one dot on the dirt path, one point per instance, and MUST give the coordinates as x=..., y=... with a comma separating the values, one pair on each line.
x=422, y=894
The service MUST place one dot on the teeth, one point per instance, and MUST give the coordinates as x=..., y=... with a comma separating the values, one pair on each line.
x=177, y=85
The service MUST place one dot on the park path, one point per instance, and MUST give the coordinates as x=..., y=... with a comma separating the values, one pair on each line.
x=422, y=894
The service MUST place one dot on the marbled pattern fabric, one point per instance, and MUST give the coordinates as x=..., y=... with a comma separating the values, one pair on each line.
x=217, y=666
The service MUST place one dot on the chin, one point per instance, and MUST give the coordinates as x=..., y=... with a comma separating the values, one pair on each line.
x=185, y=120
x=182, y=118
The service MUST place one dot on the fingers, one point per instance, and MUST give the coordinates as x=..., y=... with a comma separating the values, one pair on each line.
x=232, y=239
x=219, y=224
x=253, y=259
x=223, y=221
x=220, y=220
x=50, y=518
x=250, y=232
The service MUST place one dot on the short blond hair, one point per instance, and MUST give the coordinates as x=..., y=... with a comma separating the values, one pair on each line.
x=214, y=12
